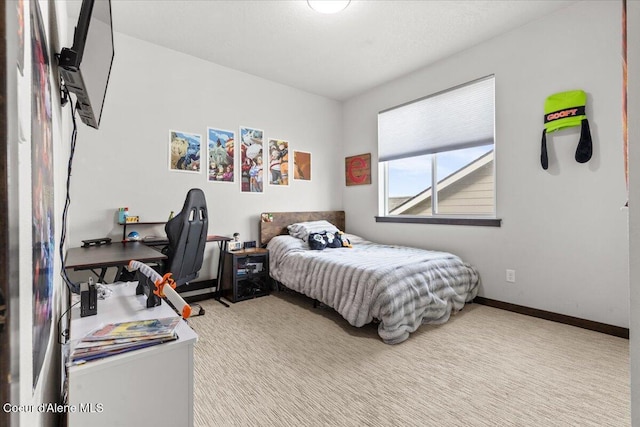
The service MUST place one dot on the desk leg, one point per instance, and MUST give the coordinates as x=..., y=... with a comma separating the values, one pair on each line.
x=223, y=250
x=100, y=275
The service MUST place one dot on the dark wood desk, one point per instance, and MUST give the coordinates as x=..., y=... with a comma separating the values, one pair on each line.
x=222, y=240
x=119, y=254
x=111, y=255
x=222, y=246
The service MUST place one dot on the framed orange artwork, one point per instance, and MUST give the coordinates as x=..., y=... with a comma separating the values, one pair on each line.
x=358, y=169
x=302, y=163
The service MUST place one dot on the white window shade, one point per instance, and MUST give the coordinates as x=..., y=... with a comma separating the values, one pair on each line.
x=461, y=117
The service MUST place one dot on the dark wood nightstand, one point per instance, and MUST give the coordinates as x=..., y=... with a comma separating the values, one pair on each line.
x=245, y=274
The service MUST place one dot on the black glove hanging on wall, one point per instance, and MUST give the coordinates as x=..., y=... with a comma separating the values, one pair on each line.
x=567, y=109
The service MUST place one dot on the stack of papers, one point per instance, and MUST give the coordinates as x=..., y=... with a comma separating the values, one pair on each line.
x=117, y=338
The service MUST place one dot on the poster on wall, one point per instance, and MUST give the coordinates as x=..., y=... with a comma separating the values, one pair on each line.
x=251, y=161
x=184, y=151
x=357, y=169
x=221, y=156
x=42, y=225
x=20, y=12
x=278, y=162
x=302, y=166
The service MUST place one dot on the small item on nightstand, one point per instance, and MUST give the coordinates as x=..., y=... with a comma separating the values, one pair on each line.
x=250, y=245
x=235, y=244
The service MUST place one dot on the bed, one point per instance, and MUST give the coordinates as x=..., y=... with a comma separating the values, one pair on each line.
x=400, y=287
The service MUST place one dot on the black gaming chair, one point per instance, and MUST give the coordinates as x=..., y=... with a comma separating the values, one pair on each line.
x=187, y=234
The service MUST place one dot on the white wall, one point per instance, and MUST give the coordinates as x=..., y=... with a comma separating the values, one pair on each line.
x=563, y=230
x=153, y=90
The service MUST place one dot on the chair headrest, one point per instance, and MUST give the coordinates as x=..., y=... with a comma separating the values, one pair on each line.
x=195, y=198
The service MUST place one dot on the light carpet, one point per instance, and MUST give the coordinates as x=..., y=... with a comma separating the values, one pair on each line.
x=277, y=361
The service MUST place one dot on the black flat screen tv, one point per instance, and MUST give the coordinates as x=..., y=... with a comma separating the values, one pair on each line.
x=85, y=67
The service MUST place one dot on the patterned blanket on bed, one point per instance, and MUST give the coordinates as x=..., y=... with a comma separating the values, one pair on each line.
x=402, y=287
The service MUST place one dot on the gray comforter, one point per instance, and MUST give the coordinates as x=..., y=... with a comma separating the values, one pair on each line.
x=402, y=287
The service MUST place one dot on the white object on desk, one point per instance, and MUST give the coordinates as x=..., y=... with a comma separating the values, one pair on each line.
x=131, y=389
x=234, y=245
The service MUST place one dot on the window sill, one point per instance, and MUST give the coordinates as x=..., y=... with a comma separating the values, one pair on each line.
x=405, y=219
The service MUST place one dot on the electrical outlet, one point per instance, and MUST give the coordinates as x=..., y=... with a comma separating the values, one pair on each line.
x=511, y=276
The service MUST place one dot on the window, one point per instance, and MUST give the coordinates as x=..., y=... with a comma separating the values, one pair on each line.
x=436, y=155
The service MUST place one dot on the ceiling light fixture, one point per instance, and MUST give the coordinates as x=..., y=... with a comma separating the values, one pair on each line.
x=328, y=6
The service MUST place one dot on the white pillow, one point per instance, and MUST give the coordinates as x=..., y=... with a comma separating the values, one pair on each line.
x=301, y=230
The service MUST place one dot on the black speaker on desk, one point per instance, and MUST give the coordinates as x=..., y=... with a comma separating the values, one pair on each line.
x=88, y=299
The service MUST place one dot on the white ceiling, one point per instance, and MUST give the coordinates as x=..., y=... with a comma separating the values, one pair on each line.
x=336, y=56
